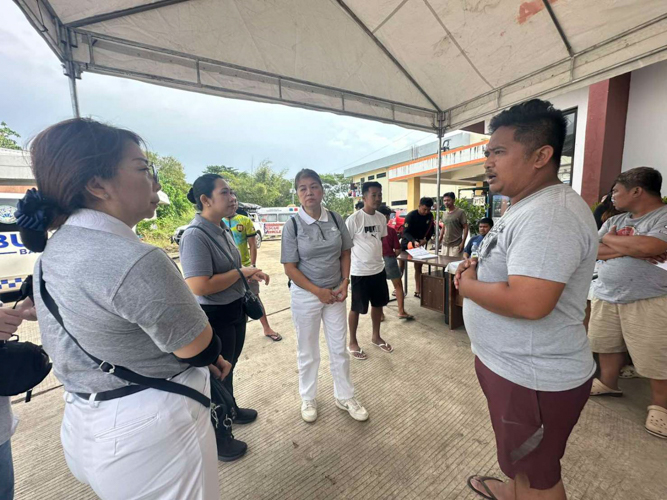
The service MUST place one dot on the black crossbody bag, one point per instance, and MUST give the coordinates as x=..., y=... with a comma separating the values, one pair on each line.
x=251, y=303
x=141, y=382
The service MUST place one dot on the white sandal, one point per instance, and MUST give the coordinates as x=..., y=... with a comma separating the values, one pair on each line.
x=599, y=389
x=359, y=355
x=385, y=347
x=656, y=421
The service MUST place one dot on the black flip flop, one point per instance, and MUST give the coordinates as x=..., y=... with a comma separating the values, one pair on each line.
x=275, y=337
x=407, y=317
x=481, y=479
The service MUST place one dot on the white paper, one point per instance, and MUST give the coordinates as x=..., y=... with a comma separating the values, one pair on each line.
x=420, y=253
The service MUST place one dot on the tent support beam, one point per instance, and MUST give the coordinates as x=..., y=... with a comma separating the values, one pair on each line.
x=122, y=13
x=71, y=69
x=74, y=96
x=559, y=28
x=441, y=134
x=283, y=80
x=387, y=53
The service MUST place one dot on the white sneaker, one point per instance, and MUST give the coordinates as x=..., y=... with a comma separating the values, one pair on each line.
x=309, y=410
x=354, y=408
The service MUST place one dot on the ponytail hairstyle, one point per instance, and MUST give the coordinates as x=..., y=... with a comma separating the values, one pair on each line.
x=65, y=157
x=204, y=185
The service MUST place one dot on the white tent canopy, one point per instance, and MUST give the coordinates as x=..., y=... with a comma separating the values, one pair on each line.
x=425, y=64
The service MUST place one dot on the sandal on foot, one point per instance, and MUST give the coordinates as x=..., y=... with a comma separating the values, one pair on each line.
x=360, y=354
x=629, y=371
x=418, y=295
x=656, y=421
x=406, y=317
x=385, y=347
x=599, y=389
x=275, y=337
x=488, y=494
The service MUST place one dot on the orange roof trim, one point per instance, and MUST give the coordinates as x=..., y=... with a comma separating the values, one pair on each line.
x=451, y=151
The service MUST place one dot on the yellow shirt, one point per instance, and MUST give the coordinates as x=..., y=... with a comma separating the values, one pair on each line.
x=242, y=228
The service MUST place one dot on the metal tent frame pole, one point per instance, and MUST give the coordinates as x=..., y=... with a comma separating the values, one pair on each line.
x=74, y=95
x=441, y=134
x=70, y=68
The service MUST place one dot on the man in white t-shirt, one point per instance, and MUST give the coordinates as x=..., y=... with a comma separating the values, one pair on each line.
x=369, y=279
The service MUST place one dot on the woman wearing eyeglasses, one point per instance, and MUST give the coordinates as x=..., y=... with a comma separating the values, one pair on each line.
x=210, y=260
x=123, y=302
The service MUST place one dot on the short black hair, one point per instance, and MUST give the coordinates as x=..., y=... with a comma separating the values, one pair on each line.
x=450, y=195
x=307, y=174
x=367, y=185
x=647, y=178
x=359, y=205
x=385, y=210
x=203, y=185
x=536, y=123
x=426, y=201
x=486, y=220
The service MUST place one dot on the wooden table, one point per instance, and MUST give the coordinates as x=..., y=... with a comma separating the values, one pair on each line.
x=449, y=301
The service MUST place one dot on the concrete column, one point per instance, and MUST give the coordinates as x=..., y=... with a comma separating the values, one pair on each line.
x=414, y=192
x=605, y=136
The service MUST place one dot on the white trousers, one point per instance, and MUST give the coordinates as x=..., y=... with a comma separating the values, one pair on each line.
x=308, y=313
x=149, y=445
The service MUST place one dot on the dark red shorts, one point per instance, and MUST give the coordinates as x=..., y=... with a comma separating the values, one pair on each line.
x=531, y=427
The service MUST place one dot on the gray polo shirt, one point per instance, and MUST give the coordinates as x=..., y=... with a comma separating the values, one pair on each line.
x=317, y=247
x=550, y=235
x=627, y=279
x=201, y=257
x=123, y=300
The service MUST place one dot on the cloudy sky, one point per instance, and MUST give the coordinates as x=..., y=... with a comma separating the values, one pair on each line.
x=198, y=130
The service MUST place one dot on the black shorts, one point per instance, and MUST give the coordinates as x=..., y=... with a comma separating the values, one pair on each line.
x=371, y=289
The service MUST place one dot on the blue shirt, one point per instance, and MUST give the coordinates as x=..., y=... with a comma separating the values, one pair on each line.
x=475, y=239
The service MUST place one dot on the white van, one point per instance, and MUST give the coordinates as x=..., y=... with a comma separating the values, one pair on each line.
x=273, y=219
x=16, y=261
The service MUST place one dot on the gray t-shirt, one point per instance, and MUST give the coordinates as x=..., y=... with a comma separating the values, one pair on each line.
x=201, y=257
x=549, y=235
x=124, y=301
x=317, y=247
x=627, y=279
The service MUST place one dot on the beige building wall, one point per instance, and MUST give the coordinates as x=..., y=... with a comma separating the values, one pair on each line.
x=398, y=191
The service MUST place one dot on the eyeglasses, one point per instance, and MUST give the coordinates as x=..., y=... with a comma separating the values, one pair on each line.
x=153, y=170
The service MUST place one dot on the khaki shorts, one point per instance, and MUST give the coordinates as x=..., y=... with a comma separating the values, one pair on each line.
x=254, y=287
x=639, y=328
x=453, y=251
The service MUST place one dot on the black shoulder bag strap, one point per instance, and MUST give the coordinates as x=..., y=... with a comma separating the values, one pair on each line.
x=119, y=371
x=226, y=254
x=333, y=216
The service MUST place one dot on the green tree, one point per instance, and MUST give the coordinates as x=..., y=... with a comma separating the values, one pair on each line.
x=179, y=211
x=222, y=170
x=6, y=135
x=263, y=186
x=473, y=213
x=335, y=193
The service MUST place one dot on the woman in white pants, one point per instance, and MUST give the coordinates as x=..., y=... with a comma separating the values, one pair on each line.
x=316, y=254
x=126, y=303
